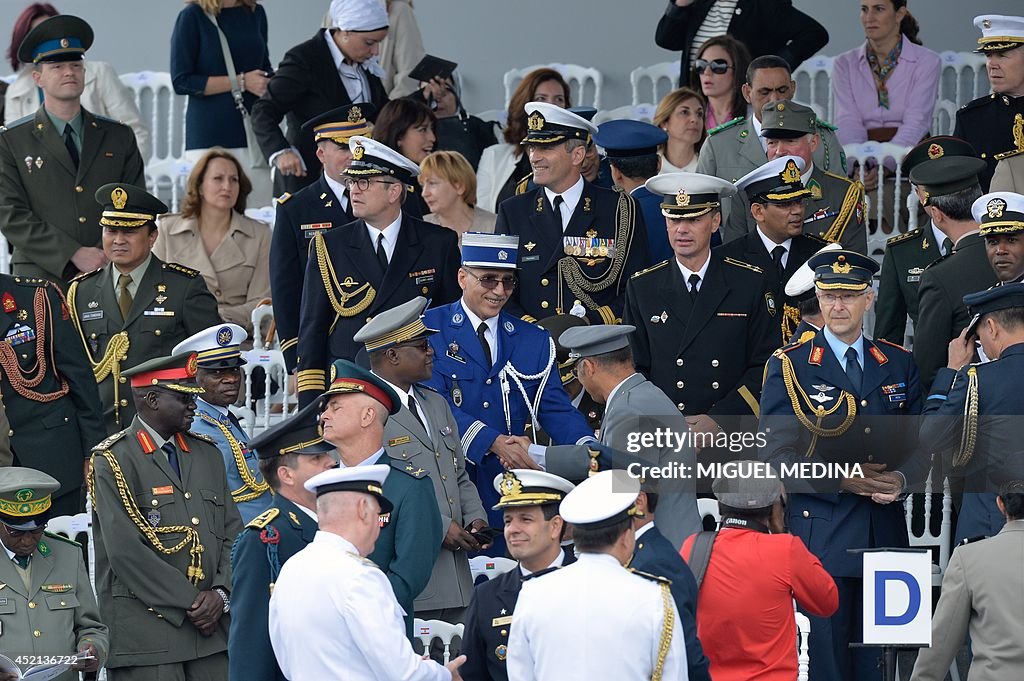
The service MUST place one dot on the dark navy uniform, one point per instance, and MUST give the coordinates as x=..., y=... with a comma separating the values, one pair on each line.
x=988, y=123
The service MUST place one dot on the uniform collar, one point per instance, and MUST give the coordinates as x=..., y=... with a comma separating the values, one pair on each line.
x=557, y=562
x=369, y=461
x=620, y=384
x=157, y=438
x=643, y=530
x=570, y=196
x=839, y=347
x=702, y=272
x=212, y=408
x=390, y=235
x=137, y=274
x=492, y=323
x=770, y=245
x=76, y=123
x=339, y=191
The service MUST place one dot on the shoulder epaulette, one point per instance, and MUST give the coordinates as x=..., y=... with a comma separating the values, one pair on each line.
x=824, y=124
x=61, y=537
x=794, y=345
x=745, y=265
x=891, y=344
x=30, y=281
x=425, y=387
x=263, y=519
x=647, y=575
x=107, y=119
x=21, y=121
x=187, y=271
x=903, y=237
x=1008, y=154
x=941, y=258
x=725, y=126
x=980, y=101
x=86, y=275
x=110, y=440
x=283, y=198
x=200, y=436
x=650, y=269
x=522, y=184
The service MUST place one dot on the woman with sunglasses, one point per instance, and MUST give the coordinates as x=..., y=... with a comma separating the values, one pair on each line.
x=681, y=115
x=718, y=74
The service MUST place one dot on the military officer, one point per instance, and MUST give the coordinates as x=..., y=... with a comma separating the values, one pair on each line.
x=591, y=409
x=164, y=523
x=496, y=371
x=1003, y=241
x=842, y=398
x=312, y=210
x=290, y=453
x=49, y=609
x=528, y=500
x=62, y=151
x=993, y=124
x=907, y=255
x=356, y=406
x=736, y=147
x=424, y=434
x=777, y=244
x=577, y=242
x=48, y=388
x=219, y=373
x=382, y=260
x=678, y=305
x=835, y=211
x=138, y=306
x=950, y=186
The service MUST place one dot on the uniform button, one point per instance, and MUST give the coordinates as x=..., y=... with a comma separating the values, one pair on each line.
x=488, y=381
x=217, y=292
x=82, y=219
x=63, y=603
x=863, y=403
x=92, y=336
x=544, y=282
x=544, y=304
x=486, y=404
x=871, y=457
x=195, y=520
x=123, y=379
x=679, y=362
x=807, y=514
x=368, y=319
x=714, y=362
x=65, y=419
x=157, y=332
x=79, y=188
x=124, y=403
x=504, y=632
x=679, y=384
x=159, y=617
x=188, y=495
x=444, y=477
x=155, y=502
x=24, y=356
x=867, y=431
x=37, y=633
x=31, y=605
x=437, y=455
x=714, y=385
x=405, y=455
x=680, y=406
x=450, y=500
x=10, y=433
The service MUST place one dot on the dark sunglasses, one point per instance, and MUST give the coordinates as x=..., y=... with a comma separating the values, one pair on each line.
x=21, y=533
x=717, y=66
x=422, y=345
x=490, y=282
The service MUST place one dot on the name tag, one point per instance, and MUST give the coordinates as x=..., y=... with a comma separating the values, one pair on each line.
x=501, y=621
x=91, y=315
x=425, y=279
x=395, y=441
x=163, y=490
x=530, y=258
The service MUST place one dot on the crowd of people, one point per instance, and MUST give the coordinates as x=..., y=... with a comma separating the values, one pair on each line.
x=485, y=330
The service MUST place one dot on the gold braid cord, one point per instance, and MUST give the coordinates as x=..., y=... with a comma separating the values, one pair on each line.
x=790, y=320
x=796, y=394
x=581, y=284
x=23, y=382
x=116, y=352
x=853, y=197
x=331, y=284
x=666, y=631
x=191, y=538
x=256, y=488
x=969, y=436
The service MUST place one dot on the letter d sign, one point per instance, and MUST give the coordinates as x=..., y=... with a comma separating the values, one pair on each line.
x=882, y=616
x=895, y=612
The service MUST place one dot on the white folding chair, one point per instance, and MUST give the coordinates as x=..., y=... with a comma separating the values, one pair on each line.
x=944, y=117
x=266, y=415
x=879, y=153
x=929, y=539
x=490, y=567
x=427, y=630
x=708, y=508
x=499, y=116
x=814, y=85
x=259, y=315
x=964, y=77
x=265, y=214
x=660, y=78
x=166, y=179
x=580, y=79
x=803, y=636
x=162, y=110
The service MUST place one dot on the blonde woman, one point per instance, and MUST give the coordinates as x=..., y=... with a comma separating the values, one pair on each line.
x=449, y=190
x=680, y=114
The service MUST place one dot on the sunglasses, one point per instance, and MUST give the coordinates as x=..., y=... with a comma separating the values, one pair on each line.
x=422, y=345
x=717, y=66
x=21, y=533
x=490, y=282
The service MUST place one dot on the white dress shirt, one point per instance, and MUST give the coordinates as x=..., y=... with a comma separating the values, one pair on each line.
x=339, y=192
x=702, y=272
x=770, y=245
x=353, y=76
x=491, y=333
x=390, y=236
x=570, y=199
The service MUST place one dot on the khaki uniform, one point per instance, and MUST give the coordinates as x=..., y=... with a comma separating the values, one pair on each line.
x=1009, y=176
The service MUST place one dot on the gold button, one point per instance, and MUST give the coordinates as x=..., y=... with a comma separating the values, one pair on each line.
x=368, y=319
x=79, y=188
x=863, y=403
x=31, y=605
x=679, y=362
x=714, y=362
x=122, y=379
x=82, y=219
x=714, y=384
x=544, y=282
x=867, y=431
x=504, y=632
x=37, y=633
x=92, y=336
x=217, y=292
x=157, y=332
x=425, y=289
x=983, y=154
x=444, y=477
x=124, y=403
x=155, y=502
x=679, y=384
x=680, y=406
x=807, y=514
x=195, y=520
x=544, y=304
x=188, y=495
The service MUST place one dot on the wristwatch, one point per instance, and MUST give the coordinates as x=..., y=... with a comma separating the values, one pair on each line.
x=224, y=597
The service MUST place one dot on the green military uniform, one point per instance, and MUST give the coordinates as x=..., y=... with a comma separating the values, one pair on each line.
x=161, y=537
x=170, y=303
x=46, y=207
x=906, y=257
x=48, y=606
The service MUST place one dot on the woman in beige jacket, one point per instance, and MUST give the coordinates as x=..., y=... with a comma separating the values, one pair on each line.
x=213, y=235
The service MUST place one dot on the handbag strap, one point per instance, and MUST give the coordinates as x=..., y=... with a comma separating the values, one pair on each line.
x=700, y=554
x=236, y=90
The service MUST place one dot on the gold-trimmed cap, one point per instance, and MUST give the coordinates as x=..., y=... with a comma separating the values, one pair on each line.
x=999, y=213
x=842, y=270
x=218, y=347
x=174, y=372
x=946, y=175
x=777, y=181
x=363, y=479
x=527, y=487
x=689, y=195
x=26, y=496
x=1005, y=297
x=370, y=158
x=126, y=206
x=551, y=124
x=400, y=324
x=298, y=434
x=999, y=32
x=341, y=124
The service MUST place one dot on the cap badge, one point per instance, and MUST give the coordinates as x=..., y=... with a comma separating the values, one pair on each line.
x=986, y=23
x=358, y=152
x=790, y=174
x=995, y=208
x=503, y=255
x=355, y=114
x=119, y=197
x=24, y=495
x=224, y=336
x=334, y=373
x=781, y=106
x=840, y=266
x=510, y=485
x=192, y=365
x=64, y=42
x=682, y=198
x=535, y=122
x=935, y=151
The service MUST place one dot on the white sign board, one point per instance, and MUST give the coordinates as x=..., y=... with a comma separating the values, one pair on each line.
x=898, y=598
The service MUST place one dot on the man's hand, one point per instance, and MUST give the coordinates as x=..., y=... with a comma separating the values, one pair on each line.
x=205, y=612
x=513, y=451
x=90, y=665
x=702, y=423
x=289, y=163
x=87, y=259
x=876, y=480
x=961, y=351
x=454, y=665
x=458, y=539
x=476, y=525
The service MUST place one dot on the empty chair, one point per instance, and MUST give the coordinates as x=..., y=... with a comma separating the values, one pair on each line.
x=427, y=630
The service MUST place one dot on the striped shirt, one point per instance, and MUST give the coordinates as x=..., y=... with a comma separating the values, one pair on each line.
x=716, y=23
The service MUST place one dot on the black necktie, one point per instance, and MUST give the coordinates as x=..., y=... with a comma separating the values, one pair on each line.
x=777, y=253
x=694, y=281
x=382, y=255
x=69, y=142
x=853, y=370
x=557, y=206
x=172, y=457
x=483, y=342
x=947, y=246
x=411, y=403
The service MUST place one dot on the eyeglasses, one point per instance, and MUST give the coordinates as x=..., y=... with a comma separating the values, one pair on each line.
x=21, y=533
x=717, y=66
x=422, y=345
x=362, y=183
x=490, y=283
x=844, y=298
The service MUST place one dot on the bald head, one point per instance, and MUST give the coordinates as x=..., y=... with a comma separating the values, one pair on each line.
x=351, y=515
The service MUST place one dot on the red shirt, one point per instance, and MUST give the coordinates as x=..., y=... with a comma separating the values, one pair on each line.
x=745, y=604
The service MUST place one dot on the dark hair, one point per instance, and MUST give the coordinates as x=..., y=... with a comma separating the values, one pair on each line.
x=766, y=61
x=758, y=515
x=23, y=24
x=598, y=539
x=636, y=167
x=958, y=204
x=268, y=467
x=1011, y=318
x=809, y=306
x=652, y=502
x=1012, y=494
x=740, y=56
x=515, y=128
x=192, y=204
x=398, y=116
x=909, y=26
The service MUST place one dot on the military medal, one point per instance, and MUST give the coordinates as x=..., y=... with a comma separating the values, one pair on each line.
x=508, y=327
x=454, y=347
x=161, y=288
x=39, y=162
x=8, y=303
x=530, y=246
x=22, y=315
x=501, y=652
x=160, y=299
x=153, y=516
x=28, y=164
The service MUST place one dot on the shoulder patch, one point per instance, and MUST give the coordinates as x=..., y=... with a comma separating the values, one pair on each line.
x=650, y=269
x=187, y=271
x=86, y=275
x=980, y=101
x=647, y=575
x=1009, y=154
x=62, y=538
x=21, y=121
x=745, y=265
x=106, y=119
x=892, y=345
x=283, y=198
x=263, y=519
x=110, y=440
x=426, y=388
x=818, y=123
x=904, y=237
x=795, y=344
x=725, y=126
x=200, y=436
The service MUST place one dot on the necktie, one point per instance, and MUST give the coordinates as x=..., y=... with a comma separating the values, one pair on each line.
x=557, y=206
x=172, y=457
x=411, y=403
x=22, y=561
x=483, y=343
x=382, y=255
x=69, y=142
x=124, y=296
x=694, y=281
x=777, y=254
x=853, y=370
x=947, y=246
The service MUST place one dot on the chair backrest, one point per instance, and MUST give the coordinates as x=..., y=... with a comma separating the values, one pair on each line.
x=259, y=314
x=814, y=85
x=637, y=112
x=708, y=508
x=657, y=80
x=582, y=80
x=499, y=116
x=964, y=77
x=273, y=407
x=879, y=154
x=162, y=111
x=928, y=538
x=803, y=656
x=167, y=180
x=490, y=567
x=427, y=630
x=267, y=214
x=944, y=117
